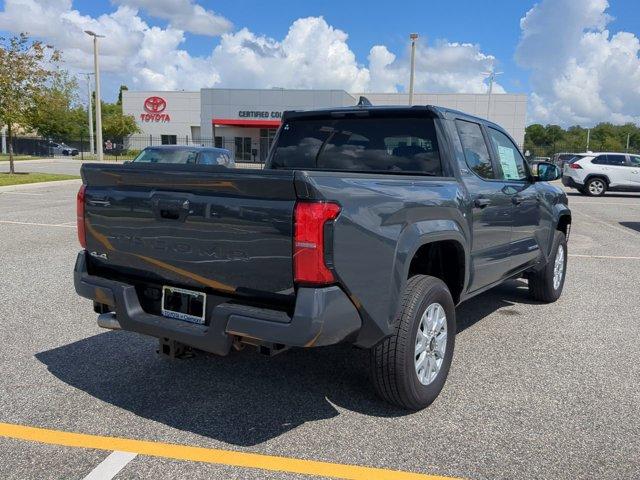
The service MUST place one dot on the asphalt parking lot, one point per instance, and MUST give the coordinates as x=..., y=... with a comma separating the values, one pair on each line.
x=535, y=391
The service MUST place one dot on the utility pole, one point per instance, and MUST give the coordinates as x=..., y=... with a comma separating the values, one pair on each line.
x=413, y=37
x=628, y=138
x=90, y=113
x=98, y=98
x=588, y=135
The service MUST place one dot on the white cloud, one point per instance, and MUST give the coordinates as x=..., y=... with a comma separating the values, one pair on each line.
x=580, y=72
x=184, y=15
x=313, y=54
x=444, y=67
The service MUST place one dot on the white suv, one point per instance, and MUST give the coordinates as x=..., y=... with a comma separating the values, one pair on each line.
x=595, y=173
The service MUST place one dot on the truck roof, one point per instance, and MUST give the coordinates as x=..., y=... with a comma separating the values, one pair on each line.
x=433, y=110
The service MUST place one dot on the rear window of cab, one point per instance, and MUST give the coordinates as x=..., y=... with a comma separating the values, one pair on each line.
x=385, y=145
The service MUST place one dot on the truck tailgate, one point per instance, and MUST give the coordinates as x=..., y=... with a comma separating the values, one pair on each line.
x=201, y=227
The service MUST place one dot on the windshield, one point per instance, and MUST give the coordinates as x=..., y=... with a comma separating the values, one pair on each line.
x=391, y=145
x=158, y=155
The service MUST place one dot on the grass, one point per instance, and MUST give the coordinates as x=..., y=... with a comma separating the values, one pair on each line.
x=23, y=178
x=17, y=158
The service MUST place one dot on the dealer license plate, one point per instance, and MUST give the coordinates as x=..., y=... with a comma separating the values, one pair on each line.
x=183, y=304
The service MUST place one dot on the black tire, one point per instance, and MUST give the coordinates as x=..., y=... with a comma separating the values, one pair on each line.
x=541, y=284
x=393, y=368
x=589, y=187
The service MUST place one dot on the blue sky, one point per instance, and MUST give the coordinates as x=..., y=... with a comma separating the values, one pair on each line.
x=493, y=24
x=557, y=45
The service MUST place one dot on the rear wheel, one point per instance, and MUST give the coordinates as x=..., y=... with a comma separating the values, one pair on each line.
x=546, y=285
x=595, y=187
x=410, y=367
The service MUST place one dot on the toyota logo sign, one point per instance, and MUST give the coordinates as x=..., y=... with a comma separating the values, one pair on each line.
x=155, y=104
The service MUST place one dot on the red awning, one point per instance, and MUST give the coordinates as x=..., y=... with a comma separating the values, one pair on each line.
x=233, y=122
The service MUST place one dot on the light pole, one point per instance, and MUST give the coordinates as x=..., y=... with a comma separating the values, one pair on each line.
x=90, y=113
x=413, y=37
x=98, y=101
x=492, y=77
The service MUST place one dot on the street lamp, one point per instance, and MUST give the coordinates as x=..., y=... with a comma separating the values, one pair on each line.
x=98, y=101
x=90, y=113
x=413, y=37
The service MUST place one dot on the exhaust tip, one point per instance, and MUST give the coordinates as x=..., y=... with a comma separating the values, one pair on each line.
x=108, y=321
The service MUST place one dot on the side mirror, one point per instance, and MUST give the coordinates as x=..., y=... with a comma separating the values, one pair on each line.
x=548, y=172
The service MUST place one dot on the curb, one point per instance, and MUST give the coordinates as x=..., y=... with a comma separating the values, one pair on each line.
x=28, y=186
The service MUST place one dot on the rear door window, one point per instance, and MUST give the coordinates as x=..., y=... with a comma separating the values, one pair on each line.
x=475, y=149
x=389, y=145
x=617, y=160
x=614, y=160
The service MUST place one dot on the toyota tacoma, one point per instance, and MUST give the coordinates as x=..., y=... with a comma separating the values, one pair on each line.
x=367, y=226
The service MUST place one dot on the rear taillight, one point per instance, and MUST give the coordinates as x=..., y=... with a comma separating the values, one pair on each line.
x=575, y=166
x=308, y=248
x=80, y=217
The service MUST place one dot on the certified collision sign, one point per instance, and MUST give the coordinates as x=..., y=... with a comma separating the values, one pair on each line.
x=154, y=108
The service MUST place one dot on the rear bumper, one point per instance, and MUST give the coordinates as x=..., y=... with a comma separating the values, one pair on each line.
x=322, y=316
x=570, y=182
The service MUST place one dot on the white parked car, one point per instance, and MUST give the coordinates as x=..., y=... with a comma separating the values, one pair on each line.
x=595, y=173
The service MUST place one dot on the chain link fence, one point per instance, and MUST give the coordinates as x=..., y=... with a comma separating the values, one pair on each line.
x=246, y=153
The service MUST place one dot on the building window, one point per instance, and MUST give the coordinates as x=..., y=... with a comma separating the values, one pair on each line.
x=169, y=139
x=266, y=139
x=217, y=142
x=243, y=149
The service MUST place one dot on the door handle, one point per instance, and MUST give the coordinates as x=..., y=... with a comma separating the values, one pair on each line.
x=516, y=199
x=481, y=202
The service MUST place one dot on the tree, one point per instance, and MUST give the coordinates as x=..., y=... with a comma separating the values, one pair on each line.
x=122, y=88
x=116, y=125
x=26, y=67
x=54, y=114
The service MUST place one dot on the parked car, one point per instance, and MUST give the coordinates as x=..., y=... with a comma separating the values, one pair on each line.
x=559, y=159
x=54, y=148
x=595, y=173
x=186, y=155
x=367, y=226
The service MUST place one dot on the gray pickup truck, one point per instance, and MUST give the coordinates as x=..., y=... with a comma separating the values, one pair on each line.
x=366, y=226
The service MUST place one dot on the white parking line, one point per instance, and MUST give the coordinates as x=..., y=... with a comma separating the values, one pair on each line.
x=603, y=256
x=23, y=193
x=110, y=466
x=60, y=225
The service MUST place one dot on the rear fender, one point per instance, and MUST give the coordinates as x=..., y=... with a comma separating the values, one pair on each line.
x=411, y=239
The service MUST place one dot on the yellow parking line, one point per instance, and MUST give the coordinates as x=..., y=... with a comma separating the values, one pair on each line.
x=208, y=455
x=607, y=257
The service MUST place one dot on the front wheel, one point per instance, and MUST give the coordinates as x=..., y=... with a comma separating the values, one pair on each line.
x=410, y=367
x=546, y=285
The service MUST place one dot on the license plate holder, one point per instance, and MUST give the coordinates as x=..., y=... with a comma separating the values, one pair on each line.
x=182, y=304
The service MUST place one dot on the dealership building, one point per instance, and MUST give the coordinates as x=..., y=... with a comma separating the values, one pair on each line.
x=245, y=120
